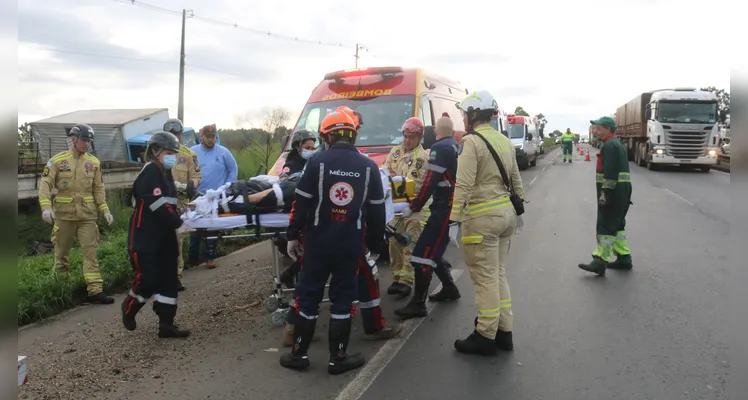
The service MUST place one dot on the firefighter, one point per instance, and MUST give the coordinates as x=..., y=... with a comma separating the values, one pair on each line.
x=483, y=208
x=613, y=181
x=439, y=182
x=152, y=237
x=567, y=142
x=407, y=160
x=339, y=205
x=186, y=169
x=80, y=197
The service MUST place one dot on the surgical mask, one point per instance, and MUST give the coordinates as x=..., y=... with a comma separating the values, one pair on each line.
x=169, y=161
x=305, y=154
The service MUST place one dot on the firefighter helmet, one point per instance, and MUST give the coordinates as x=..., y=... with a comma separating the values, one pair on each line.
x=338, y=123
x=412, y=125
x=82, y=131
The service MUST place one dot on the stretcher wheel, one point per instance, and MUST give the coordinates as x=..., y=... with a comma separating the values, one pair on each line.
x=278, y=317
x=272, y=303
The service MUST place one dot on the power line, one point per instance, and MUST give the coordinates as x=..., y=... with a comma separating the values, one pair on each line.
x=236, y=26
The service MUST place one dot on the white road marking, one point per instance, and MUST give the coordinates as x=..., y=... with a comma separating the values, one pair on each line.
x=369, y=373
x=670, y=192
x=532, y=181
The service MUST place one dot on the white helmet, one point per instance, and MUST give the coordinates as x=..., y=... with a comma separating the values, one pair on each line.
x=476, y=101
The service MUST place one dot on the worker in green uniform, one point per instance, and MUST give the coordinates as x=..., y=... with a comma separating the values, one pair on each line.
x=567, y=141
x=613, y=182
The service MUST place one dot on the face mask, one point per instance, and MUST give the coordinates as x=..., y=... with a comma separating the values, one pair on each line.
x=169, y=161
x=305, y=154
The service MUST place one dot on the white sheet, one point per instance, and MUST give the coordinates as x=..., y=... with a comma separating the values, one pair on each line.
x=240, y=221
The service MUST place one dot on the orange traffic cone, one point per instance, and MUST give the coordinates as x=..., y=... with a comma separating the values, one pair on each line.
x=581, y=151
x=587, y=157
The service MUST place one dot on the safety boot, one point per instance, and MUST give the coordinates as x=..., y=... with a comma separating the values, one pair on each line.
x=100, y=298
x=386, y=333
x=303, y=332
x=287, y=340
x=340, y=362
x=476, y=344
x=211, y=264
x=130, y=307
x=503, y=339
x=399, y=289
x=597, y=266
x=166, y=327
x=417, y=305
x=180, y=287
x=622, y=262
x=449, y=290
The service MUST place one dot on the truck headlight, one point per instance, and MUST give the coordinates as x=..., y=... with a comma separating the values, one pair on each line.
x=660, y=151
x=519, y=146
x=712, y=153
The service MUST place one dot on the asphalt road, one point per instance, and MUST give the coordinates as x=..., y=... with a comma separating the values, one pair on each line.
x=653, y=333
x=656, y=332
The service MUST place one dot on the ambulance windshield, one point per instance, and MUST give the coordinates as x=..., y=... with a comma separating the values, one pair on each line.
x=382, y=117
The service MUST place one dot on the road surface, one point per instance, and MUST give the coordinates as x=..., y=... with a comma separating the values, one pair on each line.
x=652, y=333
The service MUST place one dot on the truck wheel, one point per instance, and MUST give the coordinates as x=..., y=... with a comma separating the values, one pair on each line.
x=706, y=169
x=651, y=166
x=534, y=160
x=642, y=155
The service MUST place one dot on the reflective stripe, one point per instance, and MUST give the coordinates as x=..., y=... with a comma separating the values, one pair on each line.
x=423, y=261
x=171, y=200
x=380, y=201
x=599, y=178
x=88, y=199
x=303, y=194
x=487, y=206
x=165, y=300
x=63, y=199
x=506, y=303
x=340, y=316
x=301, y=313
x=45, y=202
x=92, y=277
x=366, y=193
x=493, y=312
x=319, y=192
x=138, y=297
x=369, y=304
x=436, y=168
x=609, y=184
x=475, y=239
x=624, y=177
x=158, y=203
x=444, y=184
x=602, y=240
x=103, y=207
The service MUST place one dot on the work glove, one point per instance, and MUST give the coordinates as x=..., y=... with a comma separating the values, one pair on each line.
x=454, y=229
x=407, y=212
x=48, y=216
x=181, y=187
x=292, y=248
x=108, y=217
x=372, y=256
x=520, y=225
x=184, y=228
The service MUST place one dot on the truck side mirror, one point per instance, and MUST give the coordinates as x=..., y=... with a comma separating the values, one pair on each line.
x=429, y=137
x=284, y=142
x=648, y=114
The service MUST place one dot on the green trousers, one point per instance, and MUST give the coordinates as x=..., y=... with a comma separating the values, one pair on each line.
x=611, y=223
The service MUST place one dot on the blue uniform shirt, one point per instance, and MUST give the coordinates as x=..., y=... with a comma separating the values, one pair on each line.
x=217, y=165
x=441, y=172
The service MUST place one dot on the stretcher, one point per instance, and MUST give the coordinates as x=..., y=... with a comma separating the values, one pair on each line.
x=272, y=226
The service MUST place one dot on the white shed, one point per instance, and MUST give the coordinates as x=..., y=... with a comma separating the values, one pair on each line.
x=112, y=129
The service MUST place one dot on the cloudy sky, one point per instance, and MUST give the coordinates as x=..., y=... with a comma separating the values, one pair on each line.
x=571, y=60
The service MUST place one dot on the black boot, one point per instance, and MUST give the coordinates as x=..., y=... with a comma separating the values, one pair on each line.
x=597, y=266
x=449, y=290
x=303, y=333
x=399, y=289
x=288, y=275
x=622, y=262
x=166, y=327
x=130, y=308
x=100, y=298
x=340, y=331
x=417, y=305
x=503, y=339
x=476, y=344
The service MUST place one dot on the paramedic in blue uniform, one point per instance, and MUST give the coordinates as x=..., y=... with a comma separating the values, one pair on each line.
x=339, y=208
x=428, y=253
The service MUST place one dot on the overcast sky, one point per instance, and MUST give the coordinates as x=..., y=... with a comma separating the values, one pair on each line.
x=571, y=60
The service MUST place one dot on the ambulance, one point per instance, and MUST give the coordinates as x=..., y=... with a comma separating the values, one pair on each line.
x=385, y=97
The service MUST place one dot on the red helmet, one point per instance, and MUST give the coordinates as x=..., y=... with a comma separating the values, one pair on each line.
x=412, y=125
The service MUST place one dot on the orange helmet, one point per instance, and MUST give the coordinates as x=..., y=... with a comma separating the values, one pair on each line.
x=356, y=117
x=338, y=123
x=412, y=125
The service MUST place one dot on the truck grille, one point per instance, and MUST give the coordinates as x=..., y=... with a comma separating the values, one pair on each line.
x=686, y=144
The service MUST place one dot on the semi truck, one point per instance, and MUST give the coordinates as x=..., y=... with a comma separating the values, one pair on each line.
x=670, y=127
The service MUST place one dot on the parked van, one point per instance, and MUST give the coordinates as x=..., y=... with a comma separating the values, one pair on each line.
x=522, y=131
x=385, y=97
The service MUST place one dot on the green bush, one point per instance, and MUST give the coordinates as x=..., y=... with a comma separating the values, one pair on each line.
x=549, y=143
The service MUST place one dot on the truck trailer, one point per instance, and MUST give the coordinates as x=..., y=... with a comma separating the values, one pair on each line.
x=670, y=127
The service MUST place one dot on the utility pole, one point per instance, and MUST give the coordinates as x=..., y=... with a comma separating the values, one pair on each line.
x=180, y=107
x=359, y=47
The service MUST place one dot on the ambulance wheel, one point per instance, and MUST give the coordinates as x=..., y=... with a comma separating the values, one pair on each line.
x=282, y=245
x=278, y=317
x=272, y=303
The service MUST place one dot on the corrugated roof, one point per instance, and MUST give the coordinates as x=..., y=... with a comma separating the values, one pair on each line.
x=101, y=117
